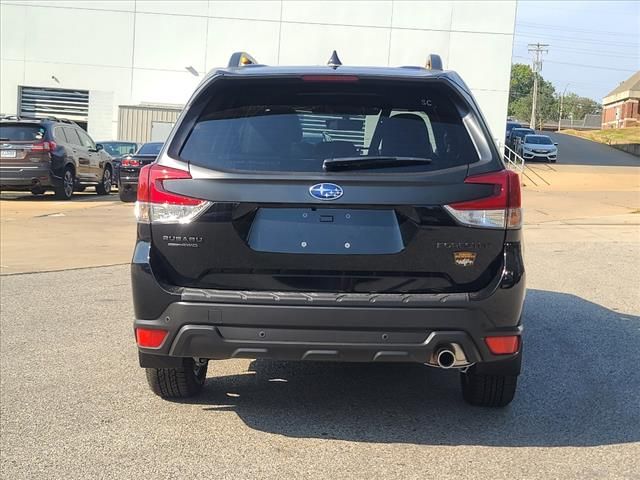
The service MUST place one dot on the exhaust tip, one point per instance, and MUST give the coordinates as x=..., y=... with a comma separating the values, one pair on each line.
x=445, y=358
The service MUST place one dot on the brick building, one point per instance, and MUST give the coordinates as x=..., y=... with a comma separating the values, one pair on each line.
x=620, y=108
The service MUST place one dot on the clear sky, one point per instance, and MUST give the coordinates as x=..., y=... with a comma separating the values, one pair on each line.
x=594, y=45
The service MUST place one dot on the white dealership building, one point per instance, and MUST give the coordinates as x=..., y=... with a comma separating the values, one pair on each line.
x=89, y=60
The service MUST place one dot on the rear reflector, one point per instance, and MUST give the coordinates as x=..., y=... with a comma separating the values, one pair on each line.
x=503, y=345
x=150, y=338
x=157, y=205
x=501, y=209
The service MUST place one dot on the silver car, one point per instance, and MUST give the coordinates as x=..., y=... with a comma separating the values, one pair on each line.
x=538, y=147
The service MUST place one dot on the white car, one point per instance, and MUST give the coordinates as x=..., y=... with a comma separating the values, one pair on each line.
x=538, y=147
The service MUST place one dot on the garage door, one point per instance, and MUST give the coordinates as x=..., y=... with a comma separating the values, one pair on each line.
x=55, y=102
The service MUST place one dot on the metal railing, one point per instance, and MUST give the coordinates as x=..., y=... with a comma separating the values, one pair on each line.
x=516, y=163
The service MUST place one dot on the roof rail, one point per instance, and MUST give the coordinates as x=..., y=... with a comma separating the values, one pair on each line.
x=434, y=62
x=240, y=59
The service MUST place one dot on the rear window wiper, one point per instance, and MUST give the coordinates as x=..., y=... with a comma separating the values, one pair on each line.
x=366, y=163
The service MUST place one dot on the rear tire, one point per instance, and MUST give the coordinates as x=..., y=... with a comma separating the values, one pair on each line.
x=104, y=187
x=127, y=195
x=64, y=191
x=486, y=390
x=173, y=383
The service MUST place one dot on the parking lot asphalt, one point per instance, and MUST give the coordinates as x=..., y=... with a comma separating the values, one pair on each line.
x=578, y=151
x=74, y=403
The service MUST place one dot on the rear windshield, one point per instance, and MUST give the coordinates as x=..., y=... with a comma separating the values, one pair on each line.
x=16, y=132
x=521, y=132
x=538, y=140
x=117, y=149
x=294, y=126
x=150, y=149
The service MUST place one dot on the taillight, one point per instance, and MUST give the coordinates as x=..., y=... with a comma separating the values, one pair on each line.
x=129, y=162
x=503, y=345
x=157, y=205
x=43, y=147
x=150, y=338
x=502, y=209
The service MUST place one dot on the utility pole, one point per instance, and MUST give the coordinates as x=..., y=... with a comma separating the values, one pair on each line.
x=537, y=49
x=561, y=102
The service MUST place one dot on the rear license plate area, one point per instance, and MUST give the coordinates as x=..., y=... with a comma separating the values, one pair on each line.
x=329, y=231
x=8, y=154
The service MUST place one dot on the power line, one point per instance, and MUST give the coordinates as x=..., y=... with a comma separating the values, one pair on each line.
x=553, y=36
x=585, y=50
x=545, y=27
x=599, y=67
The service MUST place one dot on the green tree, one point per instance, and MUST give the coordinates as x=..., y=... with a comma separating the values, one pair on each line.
x=579, y=106
x=520, y=96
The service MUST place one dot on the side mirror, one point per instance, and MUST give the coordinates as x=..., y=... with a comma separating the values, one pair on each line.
x=556, y=144
x=99, y=147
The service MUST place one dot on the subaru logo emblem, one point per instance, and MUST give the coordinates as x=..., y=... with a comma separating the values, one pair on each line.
x=326, y=191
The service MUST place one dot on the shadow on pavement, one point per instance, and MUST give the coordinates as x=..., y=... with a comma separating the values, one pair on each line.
x=89, y=196
x=579, y=388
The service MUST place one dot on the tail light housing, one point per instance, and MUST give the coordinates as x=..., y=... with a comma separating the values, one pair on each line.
x=155, y=204
x=130, y=162
x=502, y=209
x=43, y=146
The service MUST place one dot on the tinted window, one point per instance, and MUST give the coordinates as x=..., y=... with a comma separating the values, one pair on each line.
x=59, y=135
x=150, y=149
x=17, y=132
x=117, y=149
x=538, y=140
x=72, y=136
x=517, y=132
x=85, y=139
x=293, y=127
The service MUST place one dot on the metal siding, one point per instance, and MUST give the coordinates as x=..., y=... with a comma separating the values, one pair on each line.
x=134, y=121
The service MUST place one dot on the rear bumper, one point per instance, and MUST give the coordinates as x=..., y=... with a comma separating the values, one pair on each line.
x=311, y=326
x=128, y=179
x=26, y=178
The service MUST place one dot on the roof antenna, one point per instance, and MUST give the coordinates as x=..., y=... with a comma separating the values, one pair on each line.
x=334, y=62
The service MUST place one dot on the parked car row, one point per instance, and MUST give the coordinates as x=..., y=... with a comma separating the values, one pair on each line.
x=43, y=154
x=528, y=144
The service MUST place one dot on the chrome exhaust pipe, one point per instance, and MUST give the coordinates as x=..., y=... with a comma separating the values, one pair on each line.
x=445, y=357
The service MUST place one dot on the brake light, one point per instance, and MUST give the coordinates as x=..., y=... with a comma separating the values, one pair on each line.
x=505, y=345
x=150, y=338
x=330, y=78
x=499, y=210
x=158, y=205
x=43, y=146
x=129, y=162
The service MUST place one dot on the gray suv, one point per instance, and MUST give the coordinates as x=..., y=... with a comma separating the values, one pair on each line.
x=37, y=155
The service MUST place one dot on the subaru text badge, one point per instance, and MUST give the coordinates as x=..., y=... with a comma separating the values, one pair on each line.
x=326, y=191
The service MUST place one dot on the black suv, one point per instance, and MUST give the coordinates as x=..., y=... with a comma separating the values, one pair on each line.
x=51, y=154
x=330, y=213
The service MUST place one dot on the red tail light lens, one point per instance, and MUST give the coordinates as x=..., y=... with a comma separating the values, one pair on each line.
x=157, y=205
x=150, y=338
x=506, y=345
x=43, y=146
x=499, y=210
x=129, y=162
